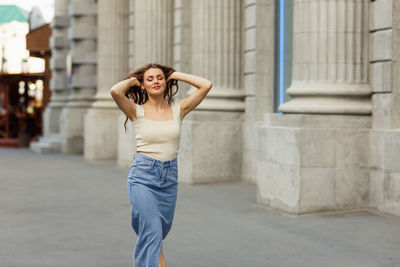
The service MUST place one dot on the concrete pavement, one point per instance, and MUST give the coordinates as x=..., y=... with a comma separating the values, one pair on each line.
x=60, y=210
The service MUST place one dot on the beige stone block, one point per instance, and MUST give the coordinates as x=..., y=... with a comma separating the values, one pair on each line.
x=71, y=130
x=178, y=35
x=395, y=102
x=82, y=8
x=223, y=160
x=391, y=187
x=381, y=45
x=352, y=187
x=250, y=62
x=391, y=193
x=177, y=17
x=377, y=149
x=250, y=84
x=250, y=2
x=278, y=185
x=250, y=103
x=249, y=166
x=58, y=81
x=211, y=149
x=185, y=158
x=250, y=16
x=58, y=42
x=352, y=148
x=101, y=134
x=82, y=31
x=381, y=77
x=381, y=14
x=178, y=3
x=249, y=136
x=317, y=189
x=58, y=62
x=126, y=142
x=278, y=145
x=376, y=187
x=51, y=123
x=250, y=39
x=381, y=116
x=60, y=22
x=392, y=151
x=82, y=80
x=318, y=147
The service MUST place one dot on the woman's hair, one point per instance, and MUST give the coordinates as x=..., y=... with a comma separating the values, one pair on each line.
x=140, y=96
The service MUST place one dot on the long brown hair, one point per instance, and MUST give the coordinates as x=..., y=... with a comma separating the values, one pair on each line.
x=140, y=96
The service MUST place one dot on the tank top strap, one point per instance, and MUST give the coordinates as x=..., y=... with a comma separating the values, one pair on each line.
x=139, y=111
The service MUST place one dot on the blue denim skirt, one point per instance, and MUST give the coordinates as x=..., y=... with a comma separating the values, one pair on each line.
x=152, y=190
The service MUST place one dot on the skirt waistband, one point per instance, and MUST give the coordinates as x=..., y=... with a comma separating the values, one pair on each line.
x=142, y=157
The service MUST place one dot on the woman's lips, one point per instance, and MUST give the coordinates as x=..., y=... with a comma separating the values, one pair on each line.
x=156, y=87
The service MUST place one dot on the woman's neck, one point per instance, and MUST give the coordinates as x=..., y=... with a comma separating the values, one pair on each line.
x=156, y=103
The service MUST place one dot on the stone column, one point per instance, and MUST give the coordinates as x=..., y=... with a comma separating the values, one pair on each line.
x=82, y=60
x=211, y=139
x=318, y=159
x=330, y=58
x=153, y=32
x=150, y=41
x=101, y=127
x=51, y=141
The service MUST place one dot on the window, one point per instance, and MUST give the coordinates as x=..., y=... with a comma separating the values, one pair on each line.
x=283, y=50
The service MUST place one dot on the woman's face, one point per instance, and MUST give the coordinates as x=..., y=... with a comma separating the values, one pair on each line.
x=154, y=81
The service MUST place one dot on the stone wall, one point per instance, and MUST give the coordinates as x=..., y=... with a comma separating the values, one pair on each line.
x=258, y=73
x=385, y=82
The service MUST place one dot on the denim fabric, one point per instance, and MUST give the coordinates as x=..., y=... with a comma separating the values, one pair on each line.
x=152, y=190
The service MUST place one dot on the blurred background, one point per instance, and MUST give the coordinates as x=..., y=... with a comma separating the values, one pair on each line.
x=25, y=71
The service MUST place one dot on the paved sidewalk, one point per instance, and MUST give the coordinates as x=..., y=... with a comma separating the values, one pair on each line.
x=60, y=210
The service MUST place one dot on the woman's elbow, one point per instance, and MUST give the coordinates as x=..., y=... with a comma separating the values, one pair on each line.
x=209, y=85
x=113, y=91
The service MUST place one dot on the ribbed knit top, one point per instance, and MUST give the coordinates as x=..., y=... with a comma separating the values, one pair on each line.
x=158, y=139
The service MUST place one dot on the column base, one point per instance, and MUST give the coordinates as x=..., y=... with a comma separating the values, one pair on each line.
x=71, y=129
x=385, y=170
x=312, y=163
x=328, y=98
x=211, y=147
x=51, y=143
x=126, y=142
x=101, y=134
x=51, y=118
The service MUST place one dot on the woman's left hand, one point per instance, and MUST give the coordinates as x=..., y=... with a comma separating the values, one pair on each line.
x=171, y=77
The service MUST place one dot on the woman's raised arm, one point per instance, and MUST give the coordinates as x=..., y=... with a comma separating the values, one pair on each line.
x=118, y=93
x=191, y=102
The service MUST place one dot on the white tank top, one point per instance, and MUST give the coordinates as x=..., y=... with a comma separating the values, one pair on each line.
x=158, y=139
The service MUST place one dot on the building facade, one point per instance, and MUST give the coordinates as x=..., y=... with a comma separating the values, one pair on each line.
x=305, y=103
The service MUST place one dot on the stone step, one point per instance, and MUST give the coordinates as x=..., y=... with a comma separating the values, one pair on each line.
x=47, y=144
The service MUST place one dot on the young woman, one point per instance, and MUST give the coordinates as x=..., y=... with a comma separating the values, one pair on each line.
x=153, y=175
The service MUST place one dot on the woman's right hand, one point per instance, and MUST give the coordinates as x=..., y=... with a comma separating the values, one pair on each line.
x=134, y=81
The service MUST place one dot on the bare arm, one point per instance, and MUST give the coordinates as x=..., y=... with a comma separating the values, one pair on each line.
x=118, y=93
x=191, y=102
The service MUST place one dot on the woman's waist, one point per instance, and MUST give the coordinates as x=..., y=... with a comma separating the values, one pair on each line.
x=157, y=157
